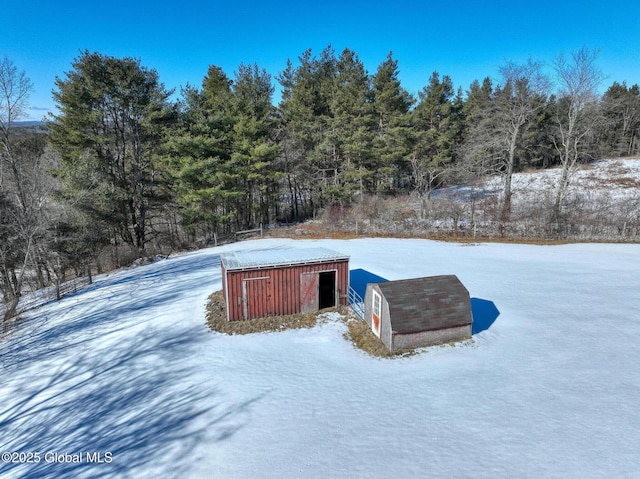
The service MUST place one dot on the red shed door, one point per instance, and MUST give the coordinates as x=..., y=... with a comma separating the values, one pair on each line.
x=256, y=298
x=308, y=292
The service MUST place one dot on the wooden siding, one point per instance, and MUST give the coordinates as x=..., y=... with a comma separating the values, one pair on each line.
x=384, y=328
x=275, y=291
x=309, y=292
x=256, y=297
x=429, y=338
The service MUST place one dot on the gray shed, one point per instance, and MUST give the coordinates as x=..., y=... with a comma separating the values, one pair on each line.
x=413, y=313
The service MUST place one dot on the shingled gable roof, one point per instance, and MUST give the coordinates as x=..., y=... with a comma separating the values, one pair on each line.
x=427, y=304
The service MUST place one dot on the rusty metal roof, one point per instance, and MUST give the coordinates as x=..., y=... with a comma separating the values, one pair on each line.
x=276, y=257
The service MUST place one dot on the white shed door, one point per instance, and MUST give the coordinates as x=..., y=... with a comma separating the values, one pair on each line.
x=376, y=307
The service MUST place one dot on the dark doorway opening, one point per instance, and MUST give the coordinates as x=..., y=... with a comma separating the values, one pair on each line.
x=327, y=289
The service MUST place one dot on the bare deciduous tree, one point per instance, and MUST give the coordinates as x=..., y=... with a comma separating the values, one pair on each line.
x=498, y=138
x=576, y=115
x=26, y=209
x=15, y=88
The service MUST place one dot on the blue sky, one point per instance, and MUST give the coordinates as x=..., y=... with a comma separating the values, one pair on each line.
x=466, y=40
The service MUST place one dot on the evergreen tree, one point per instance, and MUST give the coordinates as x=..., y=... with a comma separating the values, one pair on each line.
x=252, y=163
x=306, y=115
x=472, y=160
x=223, y=155
x=108, y=133
x=478, y=95
x=621, y=111
x=200, y=152
x=391, y=103
x=351, y=130
x=437, y=131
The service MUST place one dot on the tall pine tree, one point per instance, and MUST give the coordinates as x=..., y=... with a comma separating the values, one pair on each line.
x=253, y=165
x=306, y=113
x=108, y=132
x=199, y=152
x=392, y=143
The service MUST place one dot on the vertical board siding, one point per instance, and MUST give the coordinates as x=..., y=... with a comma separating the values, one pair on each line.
x=308, y=292
x=280, y=294
x=256, y=297
x=224, y=288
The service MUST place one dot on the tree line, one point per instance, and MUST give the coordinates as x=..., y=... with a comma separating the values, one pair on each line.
x=123, y=163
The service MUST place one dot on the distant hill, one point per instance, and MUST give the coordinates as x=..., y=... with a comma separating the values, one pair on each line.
x=29, y=127
x=21, y=124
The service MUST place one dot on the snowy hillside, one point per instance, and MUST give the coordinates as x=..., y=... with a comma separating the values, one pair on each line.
x=602, y=203
x=128, y=369
x=601, y=180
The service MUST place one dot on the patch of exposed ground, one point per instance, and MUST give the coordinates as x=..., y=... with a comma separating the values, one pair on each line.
x=217, y=320
x=358, y=332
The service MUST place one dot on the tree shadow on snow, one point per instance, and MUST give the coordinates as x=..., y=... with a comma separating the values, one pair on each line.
x=484, y=314
x=173, y=266
x=170, y=267
x=130, y=402
x=137, y=290
x=68, y=391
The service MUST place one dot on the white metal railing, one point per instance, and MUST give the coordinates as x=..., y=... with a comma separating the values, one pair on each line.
x=356, y=302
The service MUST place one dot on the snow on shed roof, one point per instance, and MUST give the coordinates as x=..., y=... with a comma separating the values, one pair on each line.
x=268, y=258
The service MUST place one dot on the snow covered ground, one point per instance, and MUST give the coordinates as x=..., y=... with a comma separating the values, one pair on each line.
x=128, y=369
x=615, y=180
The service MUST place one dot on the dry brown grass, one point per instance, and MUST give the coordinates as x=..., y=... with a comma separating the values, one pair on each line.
x=319, y=231
x=217, y=320
x=362, y=337
x=358, y=332
x=624, y=182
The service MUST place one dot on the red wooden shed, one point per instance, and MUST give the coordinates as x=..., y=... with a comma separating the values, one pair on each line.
x=259, y=283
